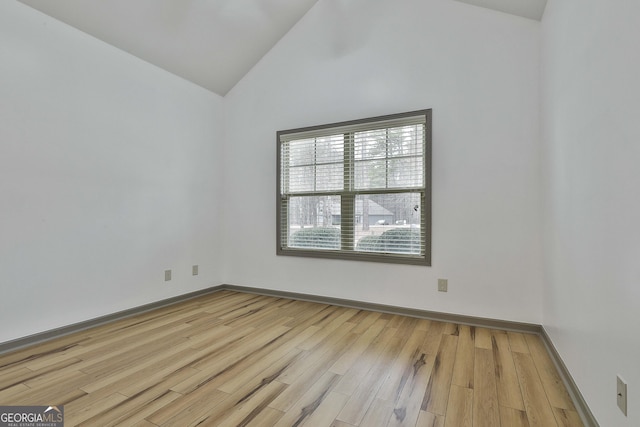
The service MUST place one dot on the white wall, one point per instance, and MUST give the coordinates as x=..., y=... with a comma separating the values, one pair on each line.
x=111, y=170
x=591, y=136
x=108, y=176
x=479, y=71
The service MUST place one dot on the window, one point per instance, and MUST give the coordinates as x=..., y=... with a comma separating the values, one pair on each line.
x=357, y=190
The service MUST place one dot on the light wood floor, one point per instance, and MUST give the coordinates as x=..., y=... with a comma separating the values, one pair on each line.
x=236, y=359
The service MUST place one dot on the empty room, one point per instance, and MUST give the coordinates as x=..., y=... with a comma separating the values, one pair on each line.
x=320, y=212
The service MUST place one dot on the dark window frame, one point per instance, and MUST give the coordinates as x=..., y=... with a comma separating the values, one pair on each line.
x=348, y=225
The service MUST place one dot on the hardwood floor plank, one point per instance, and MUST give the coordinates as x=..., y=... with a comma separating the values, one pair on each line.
x=268, y=418
x=267, y=376
x=327, y=330
x=483, y=338
x=53, y=359
x=510, y=417
x=407, y=408
x=216, y=336
x=351, y=356
x=436, y=395
x=427, y=419
x=97, y=359
x=308, y=313
x=61, y=385
x=399, y=322
x=461, y=399
x=236, y=376
x=539, y=412
x=465, y=356
x=567, y=418
x=250, y=408
x=363, y=320
x=25, y=355
x=423, y=324
x=75, y=413
x=553, y=385
x=377, y=414
x=432, y=340
x=132, y=379
x=231, y=306
x=486, y=412
x=123, y=361
x=212, y=353
x=267, y=314
x=146, y=327
x=248, y=392
x=233, y=352
x=255, y=305
x=16, y=375
x=326, y=413
x=352, y=379
x=189, y=404
x=309, y=369
x=508, y=386
x=11, y=395
x=517, y=342
x=318, y=358
x=59, y=381
x=451, y=329
x=361, y=397
x=131, y=411
x=46, y=383
x=28, y=397
x=403, y=367
x=303, y=407
x=314, y=318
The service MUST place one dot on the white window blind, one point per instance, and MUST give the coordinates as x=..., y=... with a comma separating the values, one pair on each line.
x=356, y=190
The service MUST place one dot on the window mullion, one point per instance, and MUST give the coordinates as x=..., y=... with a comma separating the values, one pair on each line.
x=347, y=202
x=315, y=164
x=283, y=225
x=386, y=160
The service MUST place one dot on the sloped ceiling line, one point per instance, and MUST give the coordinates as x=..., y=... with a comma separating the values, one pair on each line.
x=212, y=43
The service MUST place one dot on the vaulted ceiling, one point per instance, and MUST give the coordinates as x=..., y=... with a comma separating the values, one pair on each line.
x=212, y=43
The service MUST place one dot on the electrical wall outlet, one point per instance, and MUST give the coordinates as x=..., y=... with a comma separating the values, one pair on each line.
x=443, y=285
x=622, y=395
x=194, y=270
x=167, y=275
